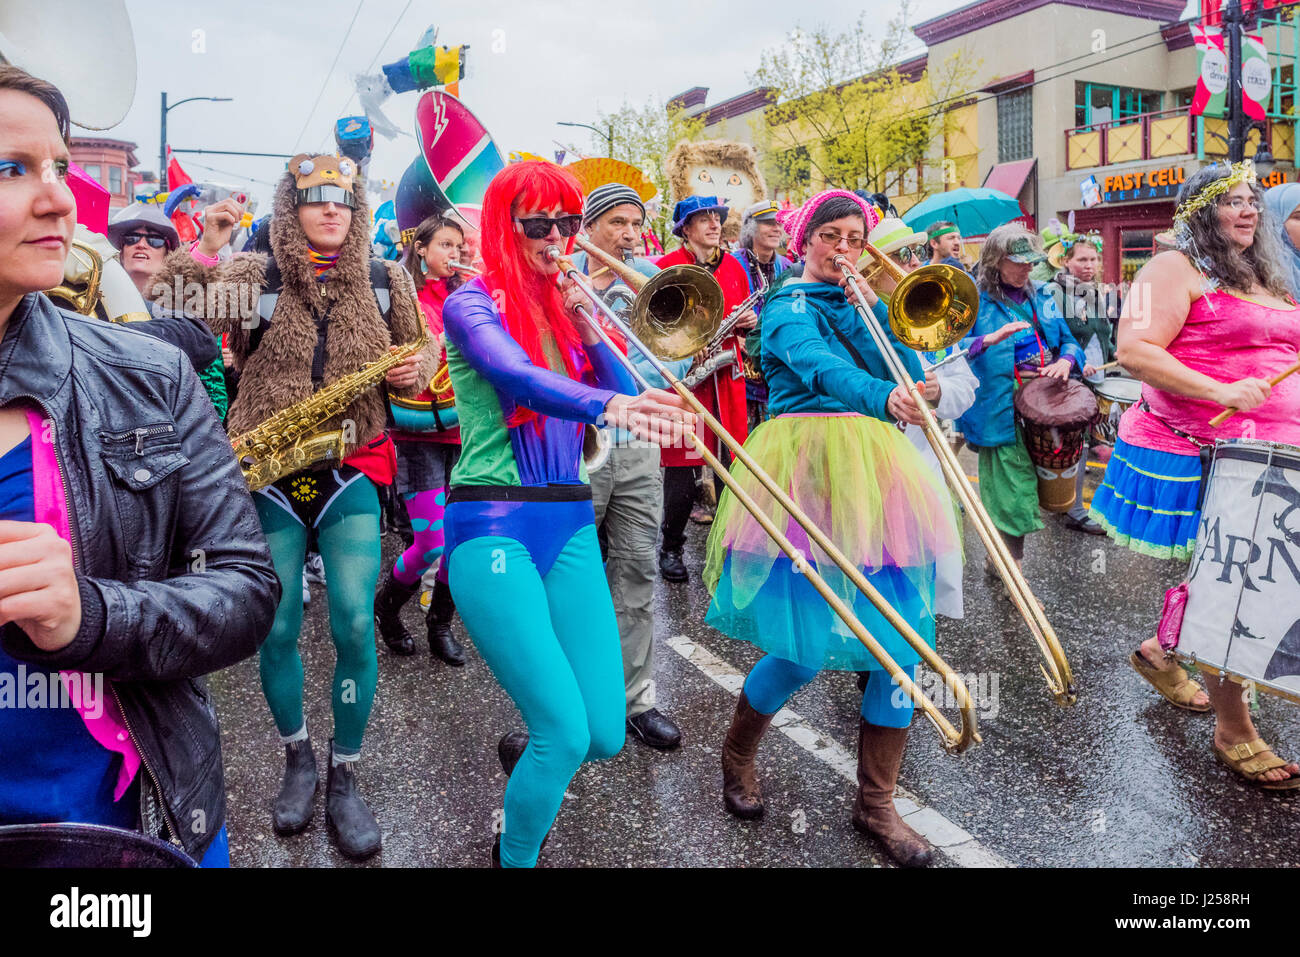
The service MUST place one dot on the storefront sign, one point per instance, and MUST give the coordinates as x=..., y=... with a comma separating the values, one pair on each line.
x=1150, y=184
x=1276, y=178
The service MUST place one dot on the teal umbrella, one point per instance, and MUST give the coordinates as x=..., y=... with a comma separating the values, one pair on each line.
x=975, y=211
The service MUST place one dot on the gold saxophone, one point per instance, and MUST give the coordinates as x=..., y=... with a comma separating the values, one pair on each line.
x=289, y=442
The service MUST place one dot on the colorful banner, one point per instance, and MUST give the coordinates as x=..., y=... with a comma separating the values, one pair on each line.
x=1256, y=78
x=1210, y=98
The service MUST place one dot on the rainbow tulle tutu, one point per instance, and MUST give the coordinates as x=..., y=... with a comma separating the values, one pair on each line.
x=864, y=484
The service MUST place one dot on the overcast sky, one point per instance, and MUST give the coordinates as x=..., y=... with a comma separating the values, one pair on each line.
x=531, y=63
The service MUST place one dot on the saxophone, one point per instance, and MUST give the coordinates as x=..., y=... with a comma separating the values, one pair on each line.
x=289, y=442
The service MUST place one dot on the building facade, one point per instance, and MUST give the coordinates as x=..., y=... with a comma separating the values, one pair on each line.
x=1079, y=109
x=111, y=163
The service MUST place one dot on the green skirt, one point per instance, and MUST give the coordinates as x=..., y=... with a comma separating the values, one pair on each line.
x=1009, y=487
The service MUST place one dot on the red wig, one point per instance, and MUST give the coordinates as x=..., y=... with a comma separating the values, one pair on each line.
x=533, y=311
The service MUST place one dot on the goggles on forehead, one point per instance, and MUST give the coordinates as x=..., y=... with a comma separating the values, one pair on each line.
x=327, y=194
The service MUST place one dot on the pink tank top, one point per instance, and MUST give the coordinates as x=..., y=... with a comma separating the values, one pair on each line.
x=1227, y=338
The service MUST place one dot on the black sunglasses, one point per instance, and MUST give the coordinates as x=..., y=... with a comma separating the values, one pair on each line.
x=539, y=227
x=156, y=242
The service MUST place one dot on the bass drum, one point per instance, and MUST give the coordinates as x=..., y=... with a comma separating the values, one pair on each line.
x=84, y=845
x=1242, y=614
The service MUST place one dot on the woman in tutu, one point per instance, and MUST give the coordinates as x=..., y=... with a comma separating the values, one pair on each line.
x=834, y=446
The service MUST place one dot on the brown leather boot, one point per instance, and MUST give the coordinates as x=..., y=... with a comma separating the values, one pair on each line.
x=880, y=755
x=740, y=791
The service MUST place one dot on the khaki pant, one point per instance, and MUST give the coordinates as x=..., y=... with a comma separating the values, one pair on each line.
x=627, y=493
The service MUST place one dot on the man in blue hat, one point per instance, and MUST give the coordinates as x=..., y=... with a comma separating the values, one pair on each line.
x=697, y=221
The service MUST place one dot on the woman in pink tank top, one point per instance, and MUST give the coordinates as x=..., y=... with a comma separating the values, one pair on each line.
x=1203, y=327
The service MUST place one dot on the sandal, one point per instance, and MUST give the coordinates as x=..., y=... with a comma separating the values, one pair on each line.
x=1172, y=683
x=1241, y=760
x=1003, y=592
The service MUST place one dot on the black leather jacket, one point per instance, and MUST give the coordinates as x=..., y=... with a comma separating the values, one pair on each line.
x=172, y=567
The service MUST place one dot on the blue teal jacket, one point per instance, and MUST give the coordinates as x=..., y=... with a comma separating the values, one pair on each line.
x=991, y=420
x=809, y=370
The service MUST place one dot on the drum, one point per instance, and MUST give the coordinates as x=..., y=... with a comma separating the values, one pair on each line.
x=1243, y=589
x=84, y=845
x=1115, y=395
x=1055, y=415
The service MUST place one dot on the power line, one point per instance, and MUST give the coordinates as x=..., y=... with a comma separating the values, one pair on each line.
x=374, y=59
x=325, y=82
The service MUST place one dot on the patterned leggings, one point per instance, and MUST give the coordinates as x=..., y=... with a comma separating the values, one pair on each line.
x=425, y=509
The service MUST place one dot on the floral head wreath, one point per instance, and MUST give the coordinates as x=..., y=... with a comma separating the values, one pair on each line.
x=1243, y=172
x=1068, y=240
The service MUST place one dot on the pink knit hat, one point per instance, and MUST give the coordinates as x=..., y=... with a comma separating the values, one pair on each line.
x=795, y=221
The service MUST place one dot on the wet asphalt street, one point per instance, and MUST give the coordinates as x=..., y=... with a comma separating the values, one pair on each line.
x=1120, y=779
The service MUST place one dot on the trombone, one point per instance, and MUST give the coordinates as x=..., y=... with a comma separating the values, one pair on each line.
x=933, y=307
x=679, y=290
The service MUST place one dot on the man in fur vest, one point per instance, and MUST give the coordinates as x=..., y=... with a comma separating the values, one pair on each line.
x=314, y=311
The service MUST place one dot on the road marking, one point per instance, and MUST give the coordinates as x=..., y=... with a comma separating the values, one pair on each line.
x=947, y=837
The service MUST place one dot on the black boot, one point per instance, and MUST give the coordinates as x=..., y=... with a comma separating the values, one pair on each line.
x=296, y=801
x=671, y=566
x=389, y=600
x=353, y=827
x=510, y=749
x=442, y=643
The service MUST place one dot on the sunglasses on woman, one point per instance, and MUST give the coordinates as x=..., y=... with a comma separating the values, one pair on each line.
x=155, y=242
x=539, y=227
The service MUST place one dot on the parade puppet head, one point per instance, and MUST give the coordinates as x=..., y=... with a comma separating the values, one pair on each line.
x=718, y=168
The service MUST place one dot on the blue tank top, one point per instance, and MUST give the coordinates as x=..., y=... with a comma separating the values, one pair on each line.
x=51, y=769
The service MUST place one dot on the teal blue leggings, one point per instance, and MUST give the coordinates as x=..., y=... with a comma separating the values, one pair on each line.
x=348, y=536
x=552, y=642
x=772, y=682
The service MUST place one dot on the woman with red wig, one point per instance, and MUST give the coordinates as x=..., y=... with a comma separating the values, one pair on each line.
x=521, y=547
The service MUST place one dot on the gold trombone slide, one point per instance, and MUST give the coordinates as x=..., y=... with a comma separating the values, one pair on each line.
x=653, y=311
x=933, y=307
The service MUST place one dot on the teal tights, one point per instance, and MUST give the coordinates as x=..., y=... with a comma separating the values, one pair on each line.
x=348, y=536
x=552, y=642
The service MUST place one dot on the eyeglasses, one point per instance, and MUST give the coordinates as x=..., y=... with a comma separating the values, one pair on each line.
x=539, y=227
x=155, y=242
x=832, y=238
x=1237, y=204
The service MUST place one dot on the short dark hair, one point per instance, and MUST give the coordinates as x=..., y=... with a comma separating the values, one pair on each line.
x=16, y=78
x=837, y=207
x=934, y=228
x=423, y=234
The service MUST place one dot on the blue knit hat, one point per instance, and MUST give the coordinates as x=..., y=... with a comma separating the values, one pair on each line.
x=691, y=205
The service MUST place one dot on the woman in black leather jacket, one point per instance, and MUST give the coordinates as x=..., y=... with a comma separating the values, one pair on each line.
x=131, y=558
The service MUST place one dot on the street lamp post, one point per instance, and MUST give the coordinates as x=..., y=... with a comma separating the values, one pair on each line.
x=162, y=131
x=608, y=136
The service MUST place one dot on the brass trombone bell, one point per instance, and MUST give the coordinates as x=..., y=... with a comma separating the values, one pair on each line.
x=930, y=308
x=677, y=310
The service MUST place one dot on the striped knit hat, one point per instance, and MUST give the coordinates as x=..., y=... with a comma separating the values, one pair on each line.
x=604, y=198
x=796, y=220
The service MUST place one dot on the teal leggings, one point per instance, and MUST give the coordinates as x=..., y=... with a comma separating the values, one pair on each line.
x=552, y=642
x=348, y=536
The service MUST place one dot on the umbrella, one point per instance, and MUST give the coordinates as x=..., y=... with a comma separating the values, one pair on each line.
x=975, y=211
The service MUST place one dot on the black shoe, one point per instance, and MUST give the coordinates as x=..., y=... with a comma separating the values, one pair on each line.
x=510, y=749
x=496, y=853
x=296, y=802
x=671, y=566
x=862, y=680
x=351, y=824
x=442, y=643
x=656, y=729
x=389, y=600
x=1085, y=525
